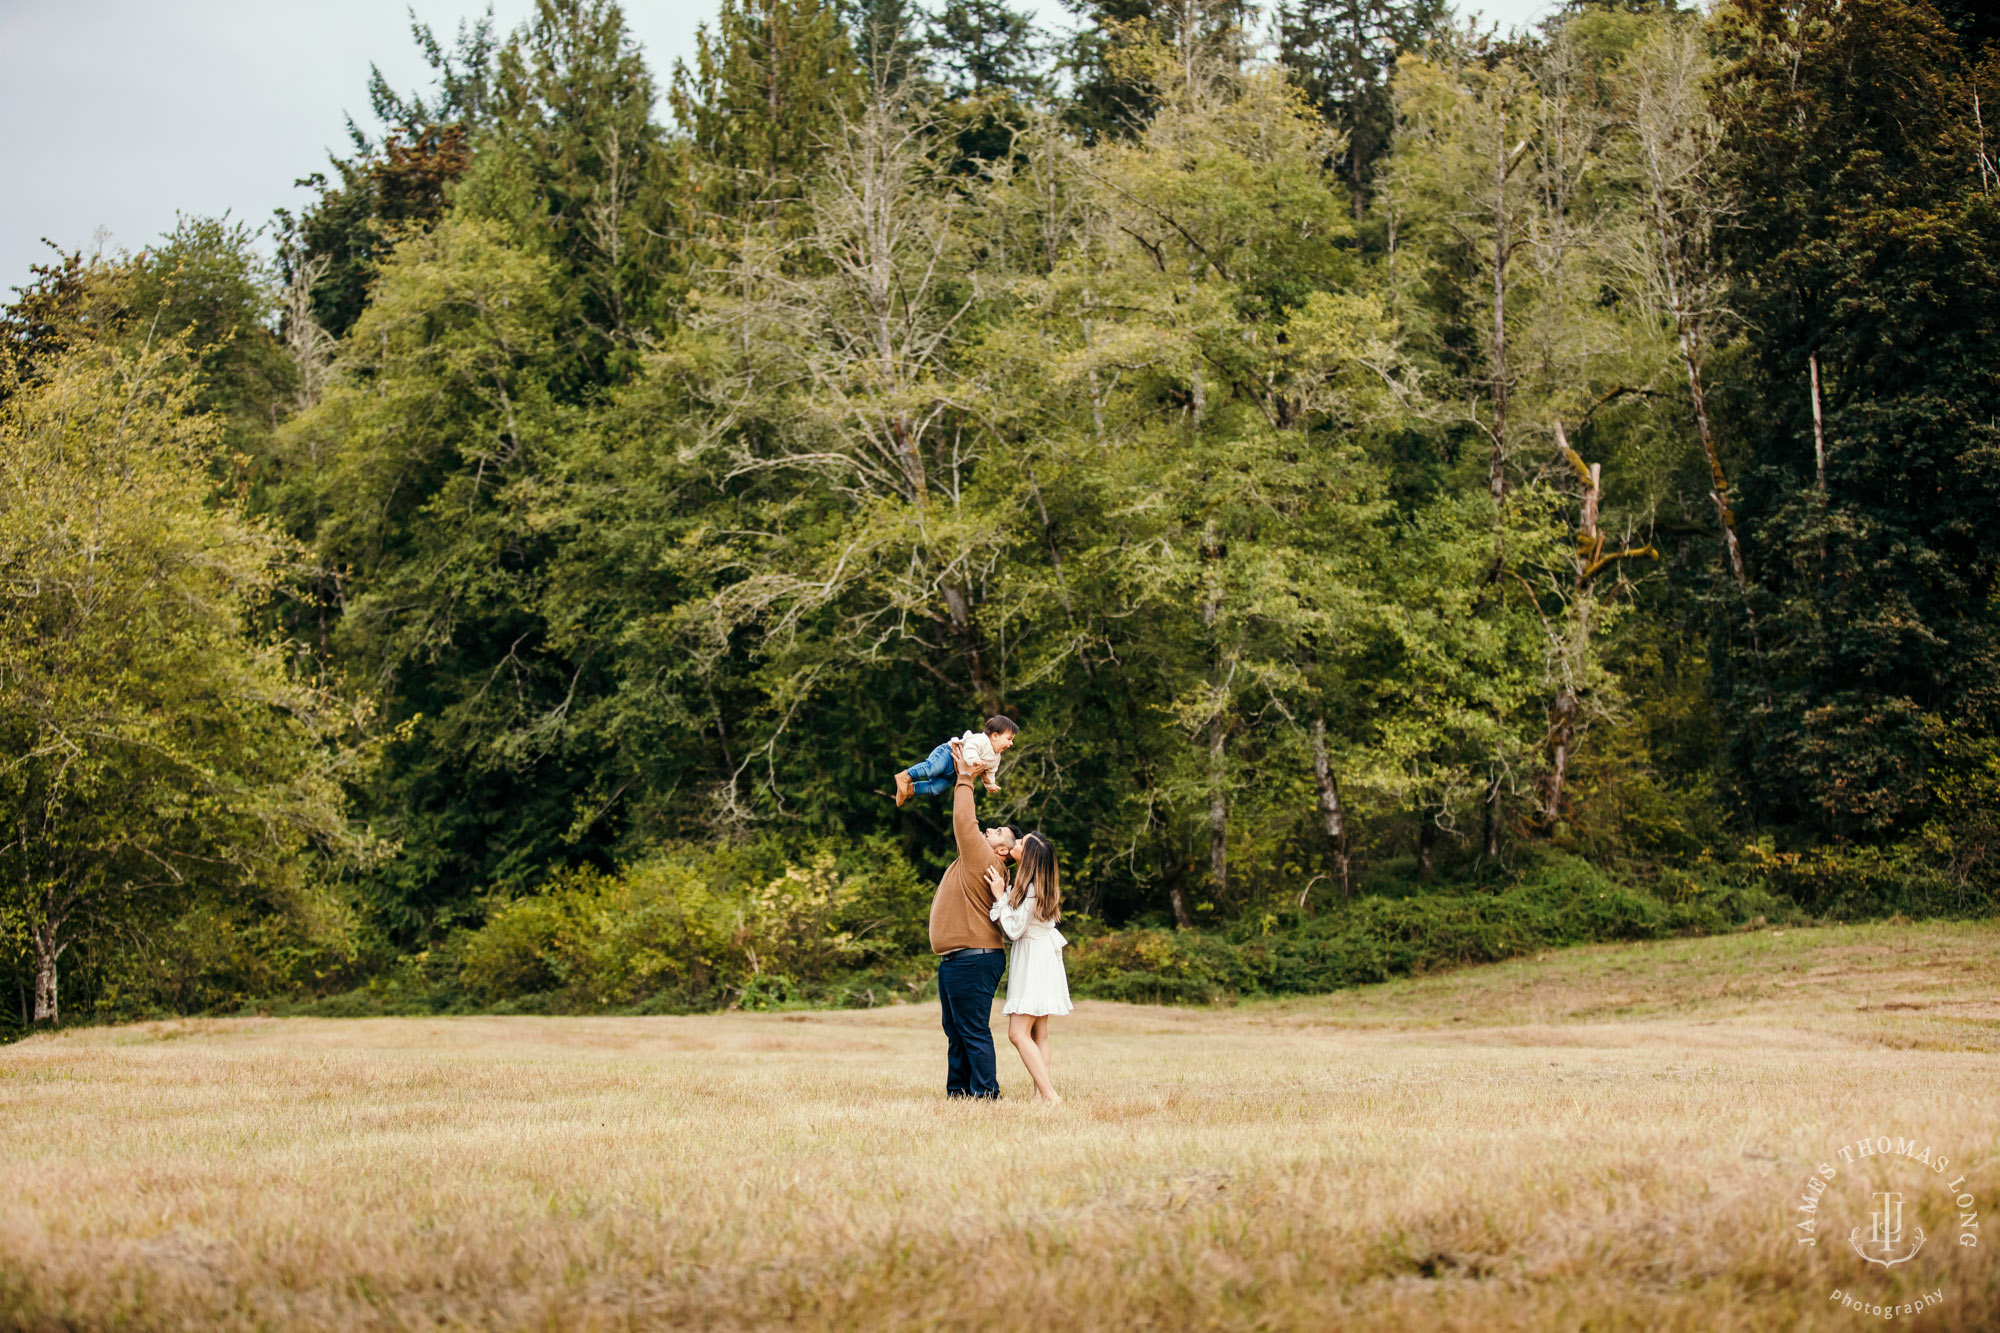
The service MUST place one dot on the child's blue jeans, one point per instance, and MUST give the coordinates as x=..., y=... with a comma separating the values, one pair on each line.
x=936, y=775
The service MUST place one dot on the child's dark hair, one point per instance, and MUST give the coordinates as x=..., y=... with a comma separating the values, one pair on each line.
x=1000, y=725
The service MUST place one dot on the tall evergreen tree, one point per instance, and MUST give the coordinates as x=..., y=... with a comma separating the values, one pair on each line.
x=430, y=463
x=1130, y=54
x=205, y=282
x=39, y=323
x=771, y=83
x=887, y=35
x=1341, y=54
x=463, y=74
x=978, y=46
x=576, y=168
x=437, y=447
x=334, y=245
x=1865, y=254
x=991, y=63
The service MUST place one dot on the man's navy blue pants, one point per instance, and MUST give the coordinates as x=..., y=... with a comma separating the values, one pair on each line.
x=967, y=979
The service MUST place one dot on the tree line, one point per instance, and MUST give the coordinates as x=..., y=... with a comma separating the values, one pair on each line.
x=1362, y=449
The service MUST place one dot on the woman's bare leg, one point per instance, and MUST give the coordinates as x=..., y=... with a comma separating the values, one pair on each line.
x=1021, y=1031
x=1042, y=1045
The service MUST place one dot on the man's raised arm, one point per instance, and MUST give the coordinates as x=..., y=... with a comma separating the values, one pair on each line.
x=973, y=849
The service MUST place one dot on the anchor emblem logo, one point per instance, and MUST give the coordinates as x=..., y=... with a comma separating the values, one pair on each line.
x=1886, y=1233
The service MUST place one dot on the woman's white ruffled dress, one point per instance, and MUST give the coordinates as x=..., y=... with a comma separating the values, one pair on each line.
x=1036, y=982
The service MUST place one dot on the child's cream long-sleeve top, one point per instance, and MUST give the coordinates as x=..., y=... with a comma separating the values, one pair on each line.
x=978, y=748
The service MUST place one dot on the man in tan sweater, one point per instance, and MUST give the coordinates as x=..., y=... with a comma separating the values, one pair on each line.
x=972, y=952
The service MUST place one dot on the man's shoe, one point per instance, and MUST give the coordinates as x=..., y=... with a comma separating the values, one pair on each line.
x=905, y=789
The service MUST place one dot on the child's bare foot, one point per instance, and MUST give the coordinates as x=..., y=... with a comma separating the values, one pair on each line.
x=904, y=789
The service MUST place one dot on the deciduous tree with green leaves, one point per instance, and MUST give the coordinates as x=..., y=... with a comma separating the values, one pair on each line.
x=160, y=750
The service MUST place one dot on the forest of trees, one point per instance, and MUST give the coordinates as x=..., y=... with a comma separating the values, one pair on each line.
x=1371, y=456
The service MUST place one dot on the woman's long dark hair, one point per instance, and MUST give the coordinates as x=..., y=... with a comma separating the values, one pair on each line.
x=1037, y=871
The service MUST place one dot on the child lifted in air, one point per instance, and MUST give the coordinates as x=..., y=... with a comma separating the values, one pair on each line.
x=938, y=774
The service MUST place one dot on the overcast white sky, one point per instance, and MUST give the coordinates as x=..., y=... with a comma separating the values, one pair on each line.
x=120, y=113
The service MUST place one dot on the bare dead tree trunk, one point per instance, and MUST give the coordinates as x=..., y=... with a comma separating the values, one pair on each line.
x=1718, y=482
x=1178, y=901
x=1496, y=468
x=1678, y=137
x=1490, y=818
x=1572, y=650
x=1819, y=426
x=47, y=953
x=1562, y=716
x=1221, y=676
x=1986, y=172
x=968, y=637
x=1562, y=730
x=309, y=345
x=1688, y=337
x=1218, y=805
x=1819, y=459
x=603, y=221
x=1504, y=163
x=1330, y=808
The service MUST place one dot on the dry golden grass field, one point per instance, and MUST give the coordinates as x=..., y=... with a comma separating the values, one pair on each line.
x=1607, y=1138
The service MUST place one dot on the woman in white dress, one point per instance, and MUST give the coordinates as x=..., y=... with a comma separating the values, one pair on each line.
x=1037, y=988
